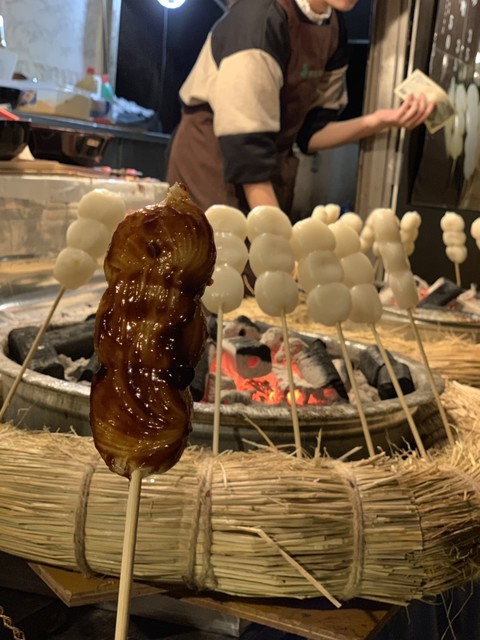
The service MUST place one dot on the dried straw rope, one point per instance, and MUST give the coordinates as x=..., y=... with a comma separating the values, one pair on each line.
x=260, y=523
x=453, y=355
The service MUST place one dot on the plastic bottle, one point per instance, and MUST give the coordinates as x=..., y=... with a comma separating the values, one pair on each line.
x=103, y=108
x=91, y=82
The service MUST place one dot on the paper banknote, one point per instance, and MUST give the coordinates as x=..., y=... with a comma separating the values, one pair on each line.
x=416, y=83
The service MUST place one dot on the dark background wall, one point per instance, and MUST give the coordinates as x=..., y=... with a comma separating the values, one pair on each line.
x=158, y=47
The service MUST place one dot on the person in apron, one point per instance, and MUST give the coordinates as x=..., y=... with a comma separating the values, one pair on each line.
x=271, y=75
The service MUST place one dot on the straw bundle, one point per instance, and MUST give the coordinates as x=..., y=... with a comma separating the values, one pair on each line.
x=260, y=523
x=453, y=355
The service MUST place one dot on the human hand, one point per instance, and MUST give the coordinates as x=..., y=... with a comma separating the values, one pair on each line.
x=413, y=111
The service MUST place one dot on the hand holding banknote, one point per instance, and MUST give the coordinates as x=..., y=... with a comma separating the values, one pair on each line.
x=418, y=84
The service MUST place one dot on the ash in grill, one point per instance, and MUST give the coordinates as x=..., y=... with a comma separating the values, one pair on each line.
x=254, y=369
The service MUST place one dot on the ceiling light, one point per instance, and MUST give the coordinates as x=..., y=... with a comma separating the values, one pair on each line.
x=171, y=4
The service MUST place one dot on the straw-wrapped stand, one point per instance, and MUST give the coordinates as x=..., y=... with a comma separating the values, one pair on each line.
x=260, y=523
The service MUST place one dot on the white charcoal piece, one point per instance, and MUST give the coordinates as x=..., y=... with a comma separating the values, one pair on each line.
x=333, y=212
x=366, y=305
x=386, y=225
x=276, y=292
x=268, y=219
x=451, y=221
x=404, y=288
x=347, y=240
x=357, y=269
x=226, y=291
x=410, y=220
x=454, y=238
x=367, y=238
x=311, y=235
x=269, y=252
x=226, y=219
x=475, y=229
x=231, y=250
x=353, y=220
x=319, y=267
x=320, y=213
x=73, y=268
x=329, y=304
x=393, y=256
x=457, y=254
x=90, y=236
x=103, y=206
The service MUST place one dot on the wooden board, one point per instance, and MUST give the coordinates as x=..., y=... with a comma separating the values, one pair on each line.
x=315, y=619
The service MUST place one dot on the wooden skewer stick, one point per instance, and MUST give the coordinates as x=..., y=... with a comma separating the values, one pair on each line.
x=218, y=384
x=400, y=394
x=291, y=384
x=353, y=382
x=458, y=279
x=128, y=556
x=426, y=364
x=31, y=353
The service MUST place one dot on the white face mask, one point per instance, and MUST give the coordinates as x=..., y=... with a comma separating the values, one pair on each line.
x=305, y=8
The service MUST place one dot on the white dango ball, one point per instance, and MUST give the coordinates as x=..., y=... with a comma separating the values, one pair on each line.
x=409, y=246
x=311, y=235
x=269, y=252
x=276, y=292
x=268, y=219
x=408, y=235
x=231, y=250
x=226, y=219
x=90, y=236
x=347, y=240
x=73, y=268
x=367, y=238
x=410, y=220
x=319, y=267
x=333, y=212
x=404, y=288
x=454, y=238
x=475, y=229
x=104, y=206
x=320, y=213
x=366, y=304
x=386, y=225
x=451, y=221
x=226, y=291
x=357, y=269
x=457, y=254
x=353, y=220
x=393, y=256
x=329, y=304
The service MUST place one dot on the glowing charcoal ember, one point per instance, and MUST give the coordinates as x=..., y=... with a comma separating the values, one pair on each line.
x=225, y=219
x=441, y=295
x=276, y=293
x=329, y=304
x=268, y=219
x=252, y=359
x=226, y=291
x=319, y=267
x=270, y=252
x=311, y=235
x=316, y=366
x=231, y=250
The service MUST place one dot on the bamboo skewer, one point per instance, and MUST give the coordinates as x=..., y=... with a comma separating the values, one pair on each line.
x=353, y=382
x=291, y=384
x=458, y=279
x=399, y=392
x=31, y=353
x=428, y=370
x=128, y=555
x=218, y=383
